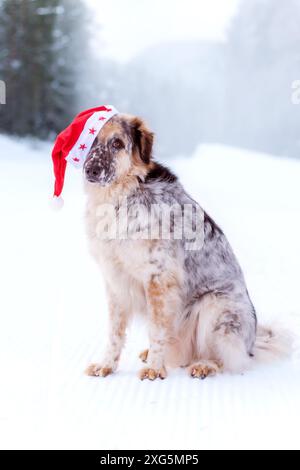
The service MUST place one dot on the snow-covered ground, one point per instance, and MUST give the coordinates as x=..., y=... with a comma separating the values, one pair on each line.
x=53, y=315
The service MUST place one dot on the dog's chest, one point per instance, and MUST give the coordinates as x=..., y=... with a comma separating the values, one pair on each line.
x=113, y=251
x=117, y=250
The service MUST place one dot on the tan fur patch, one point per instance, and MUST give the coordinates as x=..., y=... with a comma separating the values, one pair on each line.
x=112, y=127
x=144, y=355
x=158, y=294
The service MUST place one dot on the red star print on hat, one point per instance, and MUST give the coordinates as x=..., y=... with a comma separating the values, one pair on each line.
x=74, y=143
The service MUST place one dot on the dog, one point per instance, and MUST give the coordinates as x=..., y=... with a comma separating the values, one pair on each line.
x=195, y=299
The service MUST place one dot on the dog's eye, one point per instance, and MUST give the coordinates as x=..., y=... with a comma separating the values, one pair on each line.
x=117, y=144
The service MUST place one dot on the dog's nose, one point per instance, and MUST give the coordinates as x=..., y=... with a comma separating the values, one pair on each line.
x=92, y=173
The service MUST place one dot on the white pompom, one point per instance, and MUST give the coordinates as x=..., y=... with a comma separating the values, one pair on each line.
x=57, y=203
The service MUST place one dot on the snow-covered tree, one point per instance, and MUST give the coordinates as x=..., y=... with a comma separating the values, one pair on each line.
x=42, y=45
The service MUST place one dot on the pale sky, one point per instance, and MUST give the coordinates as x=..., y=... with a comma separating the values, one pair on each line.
x=126, y=27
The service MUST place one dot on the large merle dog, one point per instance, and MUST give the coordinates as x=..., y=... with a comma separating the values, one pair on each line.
x=191, y=289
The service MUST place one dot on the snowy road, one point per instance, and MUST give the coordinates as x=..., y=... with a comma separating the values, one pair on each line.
x=52, y=327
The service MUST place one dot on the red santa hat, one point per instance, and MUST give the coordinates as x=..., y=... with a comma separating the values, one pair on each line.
x=74, y=143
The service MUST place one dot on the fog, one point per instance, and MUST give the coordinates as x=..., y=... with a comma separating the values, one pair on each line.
x=223, y=71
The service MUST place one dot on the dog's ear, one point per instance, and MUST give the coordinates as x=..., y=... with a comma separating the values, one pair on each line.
x=142, y=139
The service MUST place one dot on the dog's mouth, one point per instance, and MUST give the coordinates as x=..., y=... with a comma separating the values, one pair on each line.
x=101, y=179
x=91, y=179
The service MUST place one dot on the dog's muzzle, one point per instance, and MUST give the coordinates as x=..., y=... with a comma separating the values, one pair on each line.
x=99, y=167
x=93, y=167
x=92, y=172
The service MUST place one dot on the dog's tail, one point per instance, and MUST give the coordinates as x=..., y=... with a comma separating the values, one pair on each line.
x=273, y=343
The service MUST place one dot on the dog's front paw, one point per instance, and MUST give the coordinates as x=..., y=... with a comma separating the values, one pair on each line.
x=153, y=374
x=96, y=370
x=203, y=369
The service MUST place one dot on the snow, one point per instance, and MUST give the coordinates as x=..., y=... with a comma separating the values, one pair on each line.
x=53, y=315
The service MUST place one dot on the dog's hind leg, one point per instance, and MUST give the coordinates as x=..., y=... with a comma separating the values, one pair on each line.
x=225, y=334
